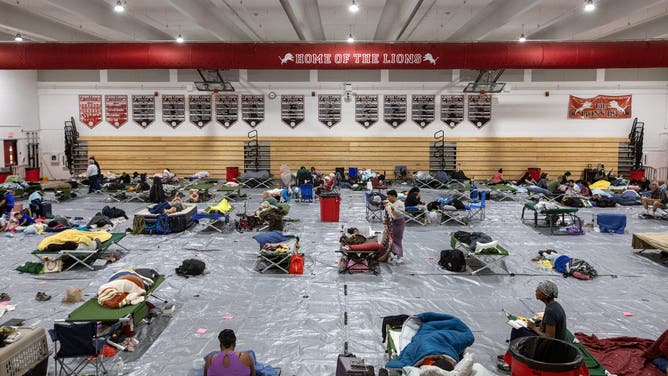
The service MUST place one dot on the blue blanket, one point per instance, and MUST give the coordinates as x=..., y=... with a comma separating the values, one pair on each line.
x=439, y=334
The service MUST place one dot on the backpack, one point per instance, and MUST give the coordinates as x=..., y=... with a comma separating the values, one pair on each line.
x=191, y=267
x=162, y=225
x=113, y=212
x=296, y=264
x=453, y=260
x=605, y=202
x=458, y=204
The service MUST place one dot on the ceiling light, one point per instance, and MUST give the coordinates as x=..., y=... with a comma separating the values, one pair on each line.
x=522, y=38
x=350, y=38
x=354, y=7
x=18, y=37
x=179, y=39
x=119, y=7
x=589, y=6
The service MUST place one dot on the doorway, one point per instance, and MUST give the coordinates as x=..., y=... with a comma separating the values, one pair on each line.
x=11, y=156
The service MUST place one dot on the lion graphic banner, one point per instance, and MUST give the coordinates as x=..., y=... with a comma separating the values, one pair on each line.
x=600, y=107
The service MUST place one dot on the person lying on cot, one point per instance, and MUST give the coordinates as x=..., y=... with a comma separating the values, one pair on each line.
x=269, y=198
x=227, y=362
x=552, y=324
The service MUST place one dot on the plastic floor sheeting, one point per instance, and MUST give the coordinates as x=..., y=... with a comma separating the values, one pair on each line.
x=298, y=322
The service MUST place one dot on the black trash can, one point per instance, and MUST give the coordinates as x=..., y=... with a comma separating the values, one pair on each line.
x=534, y=356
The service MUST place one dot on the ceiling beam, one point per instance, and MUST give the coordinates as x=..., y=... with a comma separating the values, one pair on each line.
x=213, y=22
x=395, y=18
x=233, y=17
x=493, y=16
x=37, y=27
x=653, y=29
x=579, y=21
x=305, y=19
x=418, y=19
x=116, y=26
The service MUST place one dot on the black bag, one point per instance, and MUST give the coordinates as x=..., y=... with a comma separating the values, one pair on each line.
x=46, y=210
x=113, y=212
x=453, y=260
x=191, y=267
x=432, y=206
x=605, y=202
x=458, y=204
x=574, y=202
x=350, y=365
x=157, y=193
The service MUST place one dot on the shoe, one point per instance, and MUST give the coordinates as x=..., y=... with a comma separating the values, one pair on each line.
x=400, y=260
x=503, y=367
x=500, y=357
x=42, y=297
x=581, y=276
x=4, y=297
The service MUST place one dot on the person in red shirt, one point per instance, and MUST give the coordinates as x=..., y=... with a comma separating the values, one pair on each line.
x=498, y=177
x=658, y=352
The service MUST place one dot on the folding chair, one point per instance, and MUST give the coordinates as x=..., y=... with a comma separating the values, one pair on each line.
x=353, y=174
x=76, y=347
x=373, y=212
x=306, y=192
x=416, y=214
x=487, y=254
x=476, y=208
x=376, y=186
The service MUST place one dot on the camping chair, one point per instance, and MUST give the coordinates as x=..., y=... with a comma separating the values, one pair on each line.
x=373, y=212
x=400, y=173
x=84, y=257
x=487, y=254
x=353, y=174
x=416, y=214
x=306, y=192
x=476, y=208
x=376, y=186
x=268, y=258
x=76, y=346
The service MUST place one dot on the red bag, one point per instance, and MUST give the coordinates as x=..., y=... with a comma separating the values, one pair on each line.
x=297, y=264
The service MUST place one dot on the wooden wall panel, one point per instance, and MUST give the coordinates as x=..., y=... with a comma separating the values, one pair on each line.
x=478, y=157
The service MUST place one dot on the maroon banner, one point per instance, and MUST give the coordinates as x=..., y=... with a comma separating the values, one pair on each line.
x=90, y=110
x=600, y=107
x=479, y=55
x=116, y=109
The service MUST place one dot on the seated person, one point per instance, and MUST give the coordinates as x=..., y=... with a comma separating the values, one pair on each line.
x=7, y=202
x=526, y=180
x=23, y=218
x=570, y=190
x=35, y=202
x=413, y=197
x=227, y=362
x=304, y=176
x=584, y=188
x=541, y=185
x=563, y=180
x=498, y=177
x=657, y=198
x=552, y=325
x=658, y=353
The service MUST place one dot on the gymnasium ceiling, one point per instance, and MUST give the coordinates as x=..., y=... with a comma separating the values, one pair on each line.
x=330, y=20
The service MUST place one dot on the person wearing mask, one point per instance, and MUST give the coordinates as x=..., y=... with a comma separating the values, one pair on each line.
x=228, y=362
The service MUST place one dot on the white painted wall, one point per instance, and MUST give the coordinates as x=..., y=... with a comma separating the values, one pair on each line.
x=523, y=111
x=18, y=109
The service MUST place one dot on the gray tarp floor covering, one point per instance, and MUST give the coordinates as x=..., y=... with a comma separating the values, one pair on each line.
x=297, y=322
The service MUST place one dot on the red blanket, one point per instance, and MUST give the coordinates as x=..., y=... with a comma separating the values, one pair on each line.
x=621, y=355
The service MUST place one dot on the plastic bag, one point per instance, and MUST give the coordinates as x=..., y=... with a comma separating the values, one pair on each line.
x=297, y=264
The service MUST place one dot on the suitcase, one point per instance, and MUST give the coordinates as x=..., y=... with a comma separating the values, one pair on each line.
x=350, y=365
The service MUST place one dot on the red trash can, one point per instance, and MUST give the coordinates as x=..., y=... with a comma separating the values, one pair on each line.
x=32, y=174
x=3, y=176
x=329, y=207
x=540, y=356
x=231, y=173
x=636, y=175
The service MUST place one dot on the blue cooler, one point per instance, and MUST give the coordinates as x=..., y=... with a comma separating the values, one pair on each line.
x=612, y=223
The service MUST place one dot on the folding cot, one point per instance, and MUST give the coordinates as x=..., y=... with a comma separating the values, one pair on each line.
x=213, y=221
x=127, y=196
x=365, y=257
x=255, y=179
x=451, y=214
x=203, y=190
x=552, y=214
x=504, y=192
x=84, y=257
x=277, y=256
x=650, y=240
x=488, y=254
x=423, y=179
x=232, y=193
x=91, y=310
x=416, y=214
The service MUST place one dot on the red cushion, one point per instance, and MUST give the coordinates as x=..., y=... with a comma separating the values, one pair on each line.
x=366, y=247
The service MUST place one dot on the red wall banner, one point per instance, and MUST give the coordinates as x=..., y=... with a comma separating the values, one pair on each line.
x=482, y=55
x=116, y=109
x=600, y=107
x=90, y=109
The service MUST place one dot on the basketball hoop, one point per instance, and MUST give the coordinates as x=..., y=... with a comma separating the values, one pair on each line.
x=482, y=92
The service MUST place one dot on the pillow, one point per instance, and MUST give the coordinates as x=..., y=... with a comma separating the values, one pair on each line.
x=270, y=237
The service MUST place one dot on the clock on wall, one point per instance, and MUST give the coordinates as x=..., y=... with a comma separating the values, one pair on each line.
x=271, y=95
